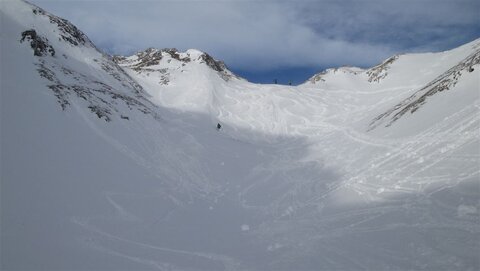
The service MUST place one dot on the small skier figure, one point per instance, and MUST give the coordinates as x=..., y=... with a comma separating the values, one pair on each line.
x=219, y=126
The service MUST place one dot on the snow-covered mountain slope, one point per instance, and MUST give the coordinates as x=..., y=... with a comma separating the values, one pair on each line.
x=115, y=163
x=68, y=63
x=400, y=70
x=175, y=79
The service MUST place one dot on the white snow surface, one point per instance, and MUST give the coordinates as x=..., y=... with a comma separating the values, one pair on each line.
x=108, y=167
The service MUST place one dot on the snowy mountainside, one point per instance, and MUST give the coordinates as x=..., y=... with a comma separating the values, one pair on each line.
x=70, y=64
x=405, y=70
x=443, y=82
x=79, y=140
x=405, y=83
x=168, y=74
x=430, y=154
x=116, y=163
x=426, y=160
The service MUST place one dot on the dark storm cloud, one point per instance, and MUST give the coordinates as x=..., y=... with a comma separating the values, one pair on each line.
x=263, y=35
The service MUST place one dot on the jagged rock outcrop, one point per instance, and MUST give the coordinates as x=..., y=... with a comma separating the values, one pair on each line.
x=40, y=45
x=218, y=66
x=68, y=31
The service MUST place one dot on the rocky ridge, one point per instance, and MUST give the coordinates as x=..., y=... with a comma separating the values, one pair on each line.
x=103, y=91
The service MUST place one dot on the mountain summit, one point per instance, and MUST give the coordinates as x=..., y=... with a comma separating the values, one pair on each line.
x=161, y=59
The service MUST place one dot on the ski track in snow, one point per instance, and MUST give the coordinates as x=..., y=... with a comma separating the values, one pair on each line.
x=399, y=167
x=228, y=263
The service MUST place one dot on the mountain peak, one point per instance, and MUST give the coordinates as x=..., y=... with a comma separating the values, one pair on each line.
x=164, y=59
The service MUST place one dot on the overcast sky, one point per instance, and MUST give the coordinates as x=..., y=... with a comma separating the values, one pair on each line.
x=264, y=39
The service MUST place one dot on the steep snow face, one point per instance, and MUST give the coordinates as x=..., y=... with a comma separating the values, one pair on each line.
x=107, y=166
x=177, y=80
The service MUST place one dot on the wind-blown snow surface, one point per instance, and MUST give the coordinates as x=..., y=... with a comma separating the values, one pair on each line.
x=99, y=172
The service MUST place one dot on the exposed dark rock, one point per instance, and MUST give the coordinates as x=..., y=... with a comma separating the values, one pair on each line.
x=68, y=32
x=39, y=44
x=118, y=73
x=117, y=59
x=66, y=71
x=442, y=83
x=60, y=91
x=164, y=80
x=38, y=10
x=218, y=66
x=101, y=112
x=379, y=72
x=101, y=98
x=46, y=72
x=173, y=52
x=151, y=57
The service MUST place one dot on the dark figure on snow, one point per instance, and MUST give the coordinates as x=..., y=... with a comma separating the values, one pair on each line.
x=219, y=126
